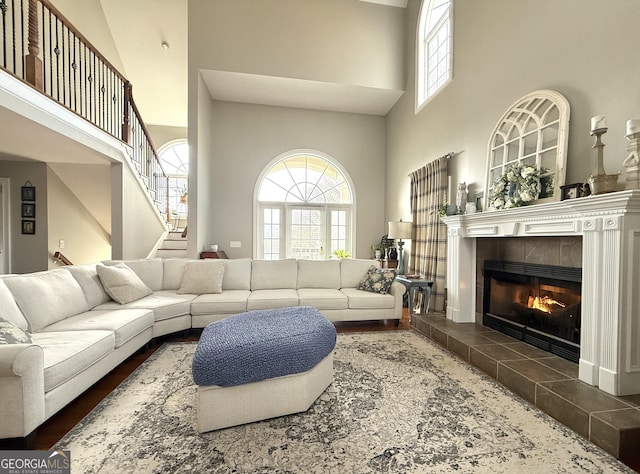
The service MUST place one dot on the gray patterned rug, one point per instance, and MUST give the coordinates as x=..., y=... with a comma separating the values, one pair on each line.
x=398, y=404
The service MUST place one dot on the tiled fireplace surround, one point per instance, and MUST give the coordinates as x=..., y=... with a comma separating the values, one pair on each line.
x=601, y=234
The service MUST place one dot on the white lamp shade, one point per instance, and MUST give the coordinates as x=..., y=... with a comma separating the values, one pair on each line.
x=400, y=230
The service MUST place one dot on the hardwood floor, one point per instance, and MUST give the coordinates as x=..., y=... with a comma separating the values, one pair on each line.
x=57, y=426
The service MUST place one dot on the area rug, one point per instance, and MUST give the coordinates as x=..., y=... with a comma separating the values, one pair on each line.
x=398, y=403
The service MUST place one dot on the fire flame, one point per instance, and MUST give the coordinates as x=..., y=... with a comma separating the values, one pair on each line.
x=544, y=303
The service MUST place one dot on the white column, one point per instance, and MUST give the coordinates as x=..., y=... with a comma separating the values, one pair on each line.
x=610, y=303
x=461, y=277
x=590, y=326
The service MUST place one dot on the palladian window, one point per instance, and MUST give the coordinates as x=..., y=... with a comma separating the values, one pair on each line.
x=304, y=209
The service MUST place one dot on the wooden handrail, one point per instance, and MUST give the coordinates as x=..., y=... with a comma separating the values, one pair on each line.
x=62, y=259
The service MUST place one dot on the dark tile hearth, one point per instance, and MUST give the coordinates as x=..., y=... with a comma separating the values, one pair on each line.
x=546, y=381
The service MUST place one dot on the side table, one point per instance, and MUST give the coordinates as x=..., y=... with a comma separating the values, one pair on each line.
x=412, y=284
x=213, y=254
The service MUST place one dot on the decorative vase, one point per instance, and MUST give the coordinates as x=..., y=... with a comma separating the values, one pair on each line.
x=393, y=254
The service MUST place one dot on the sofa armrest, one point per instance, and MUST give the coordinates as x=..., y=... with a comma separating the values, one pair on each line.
x=397, y=290
x=21, y=389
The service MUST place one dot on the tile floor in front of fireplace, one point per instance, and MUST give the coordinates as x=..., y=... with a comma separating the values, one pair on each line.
x=546, y=381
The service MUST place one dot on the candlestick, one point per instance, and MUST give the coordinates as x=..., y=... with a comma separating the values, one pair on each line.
x=600, y=182
x=598, y=122
x=633, y=127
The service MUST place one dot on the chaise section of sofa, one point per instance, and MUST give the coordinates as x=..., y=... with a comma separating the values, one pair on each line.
x=71, y=346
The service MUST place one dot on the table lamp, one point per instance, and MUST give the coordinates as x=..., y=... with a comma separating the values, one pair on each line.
x=398, y=231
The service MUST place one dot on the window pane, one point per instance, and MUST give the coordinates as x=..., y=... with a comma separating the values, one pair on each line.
x=306, y=235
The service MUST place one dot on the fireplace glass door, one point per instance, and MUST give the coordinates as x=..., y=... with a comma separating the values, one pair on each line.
x=539, y=304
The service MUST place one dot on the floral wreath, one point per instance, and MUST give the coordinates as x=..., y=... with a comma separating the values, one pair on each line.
x=518, y=186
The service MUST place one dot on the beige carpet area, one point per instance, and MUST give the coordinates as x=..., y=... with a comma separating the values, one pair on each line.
x=398, y=403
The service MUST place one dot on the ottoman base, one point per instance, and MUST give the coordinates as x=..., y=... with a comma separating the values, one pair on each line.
x=221, y=407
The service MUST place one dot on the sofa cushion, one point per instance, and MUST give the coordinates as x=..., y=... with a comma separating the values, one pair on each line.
x=274, y=274
x=319, y=274
x=359, y=299
x=12, y=334
x=164, y=304
x=61, y=292
x=352, y=269
x=237, y=274
x=270, y=299
x=149, y=270
x=173, y=272
x=227, y=302
x=377, y=280
x=122, y=283
x=203, y=276
x=87, y=277
x=9, y=308
x=67, y=353
x=323, y=298
x=125, y=323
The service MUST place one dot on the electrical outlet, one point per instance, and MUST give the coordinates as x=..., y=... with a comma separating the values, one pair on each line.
x=235, y=244
x=61, y=243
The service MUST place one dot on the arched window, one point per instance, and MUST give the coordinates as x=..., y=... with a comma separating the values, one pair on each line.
x=174, y=158
x=434, y=49
x=304, y=208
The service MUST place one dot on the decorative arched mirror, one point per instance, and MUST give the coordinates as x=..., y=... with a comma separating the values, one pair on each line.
x=531, y=137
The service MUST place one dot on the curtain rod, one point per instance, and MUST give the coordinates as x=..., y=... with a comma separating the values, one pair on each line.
x=449, y=155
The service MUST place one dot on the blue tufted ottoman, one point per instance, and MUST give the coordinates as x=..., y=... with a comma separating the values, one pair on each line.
x=262, y=364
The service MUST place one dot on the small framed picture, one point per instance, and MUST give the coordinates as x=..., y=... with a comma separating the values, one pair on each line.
x=570, y=191
x=29, y=193
x=28, y=227
x=29, y=210
x=479, y=199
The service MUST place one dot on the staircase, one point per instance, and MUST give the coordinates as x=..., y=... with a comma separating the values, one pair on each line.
x=174, y=246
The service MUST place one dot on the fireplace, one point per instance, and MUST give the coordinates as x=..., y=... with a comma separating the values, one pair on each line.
x=537, y=304
x=609, y=226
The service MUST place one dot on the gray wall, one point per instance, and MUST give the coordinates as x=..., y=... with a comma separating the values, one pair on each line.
x=29, y=251
x=335, y=41
x=339, y=41
x=85, y=240
x=585, y=49
x=245, y=138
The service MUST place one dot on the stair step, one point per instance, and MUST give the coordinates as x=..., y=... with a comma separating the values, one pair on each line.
x=175, y=235
x=171, y=253
x=169, y=244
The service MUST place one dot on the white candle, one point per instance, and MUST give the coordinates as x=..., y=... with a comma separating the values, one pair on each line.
x=633, y=126
x=598, y=122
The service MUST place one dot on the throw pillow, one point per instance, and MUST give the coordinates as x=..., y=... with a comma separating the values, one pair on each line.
x=12, y=334
x=203, y=276
x=122, y=283
x=377, y=280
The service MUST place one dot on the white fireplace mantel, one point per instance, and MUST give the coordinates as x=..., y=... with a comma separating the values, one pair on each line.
x=609, y=225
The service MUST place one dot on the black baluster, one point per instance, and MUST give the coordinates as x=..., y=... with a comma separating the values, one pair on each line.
x=3, y=9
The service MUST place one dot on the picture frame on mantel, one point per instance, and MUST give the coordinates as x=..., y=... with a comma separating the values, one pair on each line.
x=570, y=191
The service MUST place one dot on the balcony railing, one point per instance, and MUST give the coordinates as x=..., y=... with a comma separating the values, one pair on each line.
x=41, y=47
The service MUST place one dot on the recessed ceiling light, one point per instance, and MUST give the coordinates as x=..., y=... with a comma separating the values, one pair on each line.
x=165, y=45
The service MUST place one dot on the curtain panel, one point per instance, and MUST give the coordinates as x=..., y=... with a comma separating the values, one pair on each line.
x=429, y=239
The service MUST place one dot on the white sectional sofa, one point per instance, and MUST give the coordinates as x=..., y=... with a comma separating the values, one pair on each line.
x=79, y=333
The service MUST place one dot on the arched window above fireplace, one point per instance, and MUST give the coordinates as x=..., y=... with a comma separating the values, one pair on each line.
x=533, y=131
